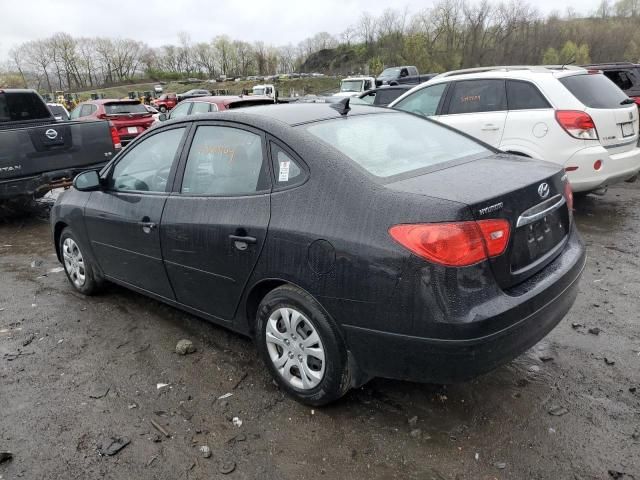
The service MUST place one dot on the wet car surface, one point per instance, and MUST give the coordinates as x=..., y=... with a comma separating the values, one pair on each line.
x=75, y=372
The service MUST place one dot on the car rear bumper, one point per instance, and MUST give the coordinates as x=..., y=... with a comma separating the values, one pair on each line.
x=450, y=360
x=615, y=168
x=40, y=184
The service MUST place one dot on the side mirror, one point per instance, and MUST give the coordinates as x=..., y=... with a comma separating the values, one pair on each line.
x=87, y=181
x=162, y=117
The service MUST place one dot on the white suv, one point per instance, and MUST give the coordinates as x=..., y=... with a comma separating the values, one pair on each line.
x=574, y=117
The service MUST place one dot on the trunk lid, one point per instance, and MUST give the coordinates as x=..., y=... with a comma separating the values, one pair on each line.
x=504, y=186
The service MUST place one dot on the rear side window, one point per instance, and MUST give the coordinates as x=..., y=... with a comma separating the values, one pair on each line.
x=20, y=107
x=225, y=161
x=409, y=143
x=474, y=96
x=524, y=96
x=595, y=91
x=123, y=108
x=87, y=110
x=286, y=170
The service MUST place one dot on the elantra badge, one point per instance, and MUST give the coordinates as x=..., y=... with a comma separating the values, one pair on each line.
x=51, y=134
x=543, y=190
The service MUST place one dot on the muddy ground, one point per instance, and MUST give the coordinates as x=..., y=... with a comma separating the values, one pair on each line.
x=76, y=372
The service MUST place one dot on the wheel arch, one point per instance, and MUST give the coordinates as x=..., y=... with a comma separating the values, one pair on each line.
x=57, y=232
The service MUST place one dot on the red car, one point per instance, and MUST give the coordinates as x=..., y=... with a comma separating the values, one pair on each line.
x=165, y=102
x=129, y=117
x=216, y=103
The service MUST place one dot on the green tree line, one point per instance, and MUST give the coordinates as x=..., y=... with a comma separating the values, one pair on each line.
x=451, y=34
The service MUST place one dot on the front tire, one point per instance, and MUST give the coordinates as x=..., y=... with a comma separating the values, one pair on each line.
x=163, y=109
x=302, y=347
x=78, y=267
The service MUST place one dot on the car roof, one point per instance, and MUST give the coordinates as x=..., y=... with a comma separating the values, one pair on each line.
x=291, y=114
x=102, y=101
x=228, y=99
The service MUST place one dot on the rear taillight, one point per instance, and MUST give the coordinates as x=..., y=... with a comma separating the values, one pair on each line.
x=568, y=195
x=458, y=244
x=115, y=137
x=577, y=124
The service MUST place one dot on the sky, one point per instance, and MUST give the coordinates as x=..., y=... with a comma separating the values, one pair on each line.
x=157, y=22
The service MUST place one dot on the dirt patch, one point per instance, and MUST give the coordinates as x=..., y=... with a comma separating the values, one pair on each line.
x=83, y=381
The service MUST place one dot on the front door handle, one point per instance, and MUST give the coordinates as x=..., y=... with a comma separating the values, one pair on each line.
x=146, y=225
x=243, y=239
x=487, y=127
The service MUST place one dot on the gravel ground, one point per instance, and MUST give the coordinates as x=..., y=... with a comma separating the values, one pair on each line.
x=81, y=377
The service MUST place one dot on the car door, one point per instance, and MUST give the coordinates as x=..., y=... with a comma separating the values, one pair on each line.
x=215, y=223
x=122, y=219
x=478, y=108
x=531, y=126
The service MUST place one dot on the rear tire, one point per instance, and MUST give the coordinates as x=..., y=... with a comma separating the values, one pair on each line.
x=163, y=109
x=302, y=347
x=78, y=267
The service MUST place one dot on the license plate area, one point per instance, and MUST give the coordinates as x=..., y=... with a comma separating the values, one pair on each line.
x=132, y=130
x=627, y=129
x=534, y=240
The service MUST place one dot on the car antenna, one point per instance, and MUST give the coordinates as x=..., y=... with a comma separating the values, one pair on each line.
x=569, y=62
x=342, y=106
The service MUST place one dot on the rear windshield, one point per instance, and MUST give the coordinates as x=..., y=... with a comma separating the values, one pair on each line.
x=595, y=91
x=21, y=107
x=123, y=108
x=409, y=142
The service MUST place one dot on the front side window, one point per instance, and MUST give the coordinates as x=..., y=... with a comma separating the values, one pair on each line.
x=200, y=107
x=423, y=102
x=369, y=98
x=182, y=110
x=475, y=96
x=225, y=161
x=147, y=165
x=409, y=143
x=75, y=113
x=622, y=78
x=86, y=110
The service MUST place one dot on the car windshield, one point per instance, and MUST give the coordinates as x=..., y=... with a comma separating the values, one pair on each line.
x=351, y=86
x=391, y=72
x=258, y=91
x=123, y=108
x=409, y=143
x=595, y=91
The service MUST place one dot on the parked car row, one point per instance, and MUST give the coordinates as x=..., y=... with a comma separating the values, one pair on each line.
x=570, y=116
x=425, y=242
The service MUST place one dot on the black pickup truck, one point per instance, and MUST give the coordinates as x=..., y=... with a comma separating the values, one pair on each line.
x=405, y=75
x=38, y=153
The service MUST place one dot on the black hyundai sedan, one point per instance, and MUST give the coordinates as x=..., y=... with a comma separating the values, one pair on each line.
x=349, y=243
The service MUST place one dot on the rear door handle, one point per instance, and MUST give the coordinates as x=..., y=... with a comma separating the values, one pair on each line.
x=243, y=239
x=489, y=127
x=147, y=226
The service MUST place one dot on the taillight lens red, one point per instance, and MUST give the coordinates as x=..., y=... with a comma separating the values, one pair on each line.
x=568, y=195
x=115, y=137
x=577, y=124
x=456, y=244
x=636, y=99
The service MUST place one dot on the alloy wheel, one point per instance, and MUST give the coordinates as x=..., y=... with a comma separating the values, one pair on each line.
x=295, y=348
x=74, y=262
